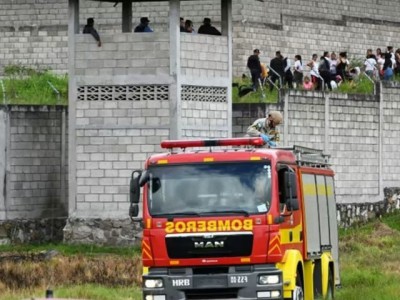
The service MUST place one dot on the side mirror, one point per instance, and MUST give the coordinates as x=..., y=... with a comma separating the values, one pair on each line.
x=134, y=188
x=292, y=204
x=290, y=185
x=133, y=210
x=144, y=178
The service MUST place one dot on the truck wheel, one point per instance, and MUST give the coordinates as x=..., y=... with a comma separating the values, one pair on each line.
x=330, y=295
x=298, y=293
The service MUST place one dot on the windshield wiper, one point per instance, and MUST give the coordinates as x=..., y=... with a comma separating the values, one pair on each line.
x=221, y=212
x=173, y=215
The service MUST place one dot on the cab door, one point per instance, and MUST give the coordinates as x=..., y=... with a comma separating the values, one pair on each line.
x=290, y=210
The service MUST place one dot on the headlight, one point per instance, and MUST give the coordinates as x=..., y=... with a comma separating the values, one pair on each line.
x=275, y=294
x=155, y=297
x=153, y=283
x=268, y=279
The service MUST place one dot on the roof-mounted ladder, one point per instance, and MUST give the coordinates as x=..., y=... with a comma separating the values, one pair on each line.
x=310, y=157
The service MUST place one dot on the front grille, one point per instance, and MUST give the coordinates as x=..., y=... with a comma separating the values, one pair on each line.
x=210, y=270
x=199, y=246
x=212, y=294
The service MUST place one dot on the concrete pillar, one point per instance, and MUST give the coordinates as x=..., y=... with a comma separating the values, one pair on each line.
x=73, y=28
x=226, y=30
x=286, y=119
x=327, y=124
x=226, y=17
x=127, y=16
x=380, y=140
x=3, y=163
x=175, y=68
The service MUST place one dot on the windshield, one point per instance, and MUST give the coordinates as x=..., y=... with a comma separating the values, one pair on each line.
x=207, y=189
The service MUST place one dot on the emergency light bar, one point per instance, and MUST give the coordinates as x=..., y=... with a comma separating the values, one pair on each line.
x=255, y=141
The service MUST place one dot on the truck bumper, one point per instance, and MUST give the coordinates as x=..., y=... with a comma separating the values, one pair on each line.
x=233, y=282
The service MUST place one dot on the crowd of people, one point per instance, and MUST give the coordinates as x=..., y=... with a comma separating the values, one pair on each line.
x=328, y=70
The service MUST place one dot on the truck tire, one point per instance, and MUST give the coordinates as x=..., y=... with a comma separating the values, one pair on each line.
x=298, y=293
x=330, y=295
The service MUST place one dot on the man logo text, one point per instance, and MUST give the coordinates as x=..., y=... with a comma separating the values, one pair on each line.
x=215, y=244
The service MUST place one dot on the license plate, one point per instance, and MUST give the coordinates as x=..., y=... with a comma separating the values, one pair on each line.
x=238, y=280
x=181, y=282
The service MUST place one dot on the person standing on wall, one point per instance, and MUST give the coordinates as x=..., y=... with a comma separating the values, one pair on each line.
x=277, y=70
x=253, y=63
x=89, y=29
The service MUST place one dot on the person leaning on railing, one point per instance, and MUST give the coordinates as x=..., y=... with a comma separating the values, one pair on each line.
x=90, y=30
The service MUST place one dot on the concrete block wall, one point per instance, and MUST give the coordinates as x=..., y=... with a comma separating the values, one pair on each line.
x=122, y=54
x=391, y=135
x=204, y=56
x=352, y=133
x=204, y=119
x=113, y=138
x=34, y=33
x=306, y=120
x=354, y=141
x=32, y=169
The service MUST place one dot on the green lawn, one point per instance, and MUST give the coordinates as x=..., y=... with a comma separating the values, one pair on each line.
x=28, y=86
x=370, y=261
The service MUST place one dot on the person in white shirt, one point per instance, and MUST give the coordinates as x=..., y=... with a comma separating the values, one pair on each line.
x=333, y=62
x=370, y=63
x=315, y=77
x=298, y=71
x=287, y=63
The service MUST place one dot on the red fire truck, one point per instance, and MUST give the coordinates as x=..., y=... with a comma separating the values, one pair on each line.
x=230, y=219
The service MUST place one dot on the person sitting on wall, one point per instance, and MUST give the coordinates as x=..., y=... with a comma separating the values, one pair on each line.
x=189, y=26
x=207, y=28
x=90, y=29
x=143, y=26
x=266, y=128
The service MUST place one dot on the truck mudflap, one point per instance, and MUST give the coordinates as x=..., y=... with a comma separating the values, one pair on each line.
x=233, y=282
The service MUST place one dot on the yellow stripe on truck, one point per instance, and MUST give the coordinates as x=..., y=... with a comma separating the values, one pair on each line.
x=310, y=190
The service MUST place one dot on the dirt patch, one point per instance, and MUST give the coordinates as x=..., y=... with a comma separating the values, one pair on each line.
x=22, y=272
x=383, y=230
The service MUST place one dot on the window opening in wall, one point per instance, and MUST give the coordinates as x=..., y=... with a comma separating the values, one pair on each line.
x=123, y=93
x=204, y=93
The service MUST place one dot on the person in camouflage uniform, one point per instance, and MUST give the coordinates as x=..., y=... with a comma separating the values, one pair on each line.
x=266, y=128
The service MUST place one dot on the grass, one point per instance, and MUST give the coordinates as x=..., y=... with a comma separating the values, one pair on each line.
x=360, y=86
x=259, y=96
x=30, y=86
x=85, y=291
x=370, y=260
x=70, y=250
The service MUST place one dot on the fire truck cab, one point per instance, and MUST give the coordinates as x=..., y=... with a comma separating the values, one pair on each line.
x=230, y=219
